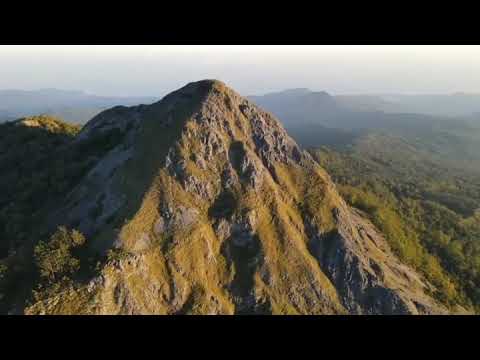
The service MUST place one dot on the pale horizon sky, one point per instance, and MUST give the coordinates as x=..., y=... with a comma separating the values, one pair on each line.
x=141, y=70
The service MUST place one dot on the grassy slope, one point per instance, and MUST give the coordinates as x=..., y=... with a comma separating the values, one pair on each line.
x=192, y=264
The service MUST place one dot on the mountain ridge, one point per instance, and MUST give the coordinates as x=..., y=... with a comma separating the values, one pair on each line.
x=211, y=208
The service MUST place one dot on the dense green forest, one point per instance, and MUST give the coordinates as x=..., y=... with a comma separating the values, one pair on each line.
x=428, y=210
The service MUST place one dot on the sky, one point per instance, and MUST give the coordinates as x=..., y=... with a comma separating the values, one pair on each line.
x=140, y=70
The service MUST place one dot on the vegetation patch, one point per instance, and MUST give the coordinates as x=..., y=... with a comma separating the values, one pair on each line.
x=421, y=229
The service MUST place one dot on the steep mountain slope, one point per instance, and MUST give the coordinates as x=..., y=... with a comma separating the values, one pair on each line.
x=27, y=153
x=427, y=207
x=210, y=207
x=41, y=163
x=416, y=177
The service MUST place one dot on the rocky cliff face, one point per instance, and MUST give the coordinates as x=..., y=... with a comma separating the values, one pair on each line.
x=216, y=210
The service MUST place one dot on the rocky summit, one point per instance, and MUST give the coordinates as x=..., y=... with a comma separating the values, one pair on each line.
x=209, y=207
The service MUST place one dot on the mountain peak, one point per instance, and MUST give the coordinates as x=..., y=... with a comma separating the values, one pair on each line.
x=202, y=87
x=212, y=83
x=216, y=210
x=189, y=98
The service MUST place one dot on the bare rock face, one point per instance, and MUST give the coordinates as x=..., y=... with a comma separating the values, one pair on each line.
x=368, y=276
x=220, y=212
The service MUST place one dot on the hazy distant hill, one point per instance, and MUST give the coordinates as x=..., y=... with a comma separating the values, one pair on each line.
x=457, y=105
x=73, y=106
x=451, y=105
x=302, y=106
x=317, y=118
x=5, y=116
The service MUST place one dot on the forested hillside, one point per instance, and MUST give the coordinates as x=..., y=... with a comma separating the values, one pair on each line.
x=416, y=175
x=40, y=164
x=428, y=209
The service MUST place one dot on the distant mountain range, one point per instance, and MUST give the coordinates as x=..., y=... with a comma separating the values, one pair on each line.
x=451, y=105
x=73, y=106
x=317, y=118
x=444, y=105
x=79, y=107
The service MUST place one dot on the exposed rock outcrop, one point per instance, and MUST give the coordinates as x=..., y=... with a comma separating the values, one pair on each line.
x=220, y=212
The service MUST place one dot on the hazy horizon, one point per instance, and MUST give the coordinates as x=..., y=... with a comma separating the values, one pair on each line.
x=251, y=94
x=137, y=70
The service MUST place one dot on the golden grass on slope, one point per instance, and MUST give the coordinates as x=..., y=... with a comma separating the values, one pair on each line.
x=295, y=274
x=188, y=271
x=70, y=301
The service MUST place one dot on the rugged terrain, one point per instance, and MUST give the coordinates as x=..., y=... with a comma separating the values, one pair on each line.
x=415, y=175
x=205, y=205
